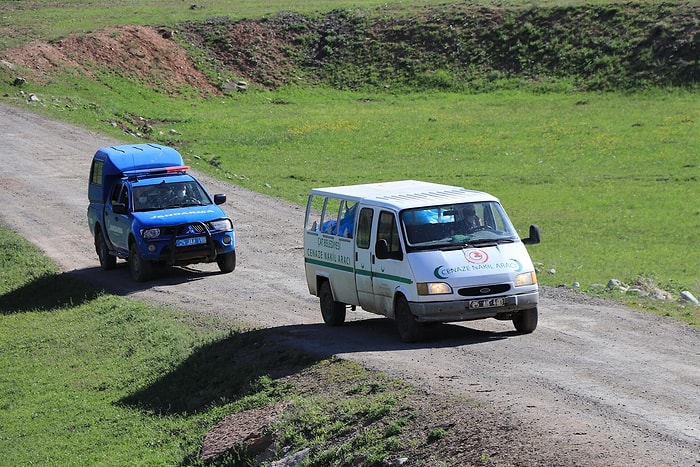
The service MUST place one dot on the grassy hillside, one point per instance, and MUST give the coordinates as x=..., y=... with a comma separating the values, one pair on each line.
x=463, y=47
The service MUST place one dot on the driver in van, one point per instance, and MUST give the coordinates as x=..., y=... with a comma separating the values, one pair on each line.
x=469, y=220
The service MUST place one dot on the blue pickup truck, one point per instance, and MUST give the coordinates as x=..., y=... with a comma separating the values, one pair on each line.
x=145, y=208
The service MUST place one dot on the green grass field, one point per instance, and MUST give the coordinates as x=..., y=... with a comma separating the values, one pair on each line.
x=91, y=379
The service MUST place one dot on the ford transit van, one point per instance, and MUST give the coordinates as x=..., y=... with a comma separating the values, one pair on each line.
x=419, y=253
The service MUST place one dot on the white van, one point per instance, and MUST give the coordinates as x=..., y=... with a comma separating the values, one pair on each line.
x=417, y=252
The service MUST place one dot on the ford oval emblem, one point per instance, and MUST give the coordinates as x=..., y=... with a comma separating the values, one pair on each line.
x=485, y=290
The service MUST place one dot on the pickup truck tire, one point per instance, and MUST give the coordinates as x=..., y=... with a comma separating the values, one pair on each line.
x=141, y=269
x=226, y=262
x=410, y=330
x=526, y=321
x=107, y=261
x=333, y=312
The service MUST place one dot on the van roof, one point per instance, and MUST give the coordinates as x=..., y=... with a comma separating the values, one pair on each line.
x=405, y=194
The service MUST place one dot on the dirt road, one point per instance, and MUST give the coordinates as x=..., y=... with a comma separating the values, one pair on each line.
x=615, y=386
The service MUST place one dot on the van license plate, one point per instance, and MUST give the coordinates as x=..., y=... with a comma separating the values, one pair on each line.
x=486, y=303
x=190, y=241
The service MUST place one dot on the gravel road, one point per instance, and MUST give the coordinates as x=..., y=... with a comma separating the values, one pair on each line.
x=613, y=386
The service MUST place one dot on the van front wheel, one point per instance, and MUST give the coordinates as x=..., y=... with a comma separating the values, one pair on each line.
x=410, y=330
x=333, y=312
x=526, y=321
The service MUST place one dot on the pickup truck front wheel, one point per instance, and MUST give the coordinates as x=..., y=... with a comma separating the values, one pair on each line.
x=226, y=262
x=141, y=269
x=107, y=261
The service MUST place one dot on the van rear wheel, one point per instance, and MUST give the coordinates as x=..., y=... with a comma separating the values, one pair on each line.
x=333, y=312
x=526, y=321
x=410, y=330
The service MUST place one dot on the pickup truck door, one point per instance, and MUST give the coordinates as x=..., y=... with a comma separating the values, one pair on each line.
x=118, y=225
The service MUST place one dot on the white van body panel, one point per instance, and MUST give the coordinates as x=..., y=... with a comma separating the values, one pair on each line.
x=476, y=274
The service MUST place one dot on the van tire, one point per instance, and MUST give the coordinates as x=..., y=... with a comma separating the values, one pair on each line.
x=410, y=330
x=107, y=261
x=333, y=312
x=141, y=269
x=526, y=321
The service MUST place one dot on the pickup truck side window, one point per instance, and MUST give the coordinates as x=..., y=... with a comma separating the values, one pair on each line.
x=114, y=195
x=96, y=172
x=388, y=230
x=364, y=227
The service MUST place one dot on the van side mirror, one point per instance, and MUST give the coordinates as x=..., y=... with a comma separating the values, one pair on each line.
x=534, y=237
x=219, y=198
x=381, y=249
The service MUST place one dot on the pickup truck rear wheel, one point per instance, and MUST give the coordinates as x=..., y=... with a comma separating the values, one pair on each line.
x=107, y=261
x=526, y=321
x=333, y=312
x=226, y=262
x=141, y=269
x=410, y=330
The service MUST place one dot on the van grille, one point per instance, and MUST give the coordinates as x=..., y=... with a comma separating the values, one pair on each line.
x=484, y=290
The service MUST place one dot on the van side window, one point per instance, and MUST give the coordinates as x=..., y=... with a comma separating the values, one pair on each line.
x=346, y=224
x=364, y=226
x=388, y=230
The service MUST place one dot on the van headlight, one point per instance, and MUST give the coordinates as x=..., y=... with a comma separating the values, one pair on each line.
x=526, y=278
x=433, y=288
x=148, y=234
x=221, y=224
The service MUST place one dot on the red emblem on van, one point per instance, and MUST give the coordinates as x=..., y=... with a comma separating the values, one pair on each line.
x=476, y=256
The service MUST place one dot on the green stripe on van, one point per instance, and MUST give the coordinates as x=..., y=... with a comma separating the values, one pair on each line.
x=405, y=280
x=330, y=265
x=360, y=272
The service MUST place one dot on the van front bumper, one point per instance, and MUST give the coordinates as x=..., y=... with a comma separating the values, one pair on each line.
x=461, y=310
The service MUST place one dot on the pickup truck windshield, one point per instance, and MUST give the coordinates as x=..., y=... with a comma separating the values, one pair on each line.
x=168, y=195
x=457, y=224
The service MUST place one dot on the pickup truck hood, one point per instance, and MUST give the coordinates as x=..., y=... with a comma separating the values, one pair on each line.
x=471, y=264
x=166, y=217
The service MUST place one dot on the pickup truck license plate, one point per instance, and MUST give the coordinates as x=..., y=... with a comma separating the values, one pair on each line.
x=486, y=303
x=190, y=241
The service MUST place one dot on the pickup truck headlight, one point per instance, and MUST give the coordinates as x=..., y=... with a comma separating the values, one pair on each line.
x=527, y=278
x=433, y=288
x=221, y=224
x=148, y=234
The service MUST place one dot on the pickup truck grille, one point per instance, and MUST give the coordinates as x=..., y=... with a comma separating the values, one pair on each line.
x=484, y=290
x=192, y=229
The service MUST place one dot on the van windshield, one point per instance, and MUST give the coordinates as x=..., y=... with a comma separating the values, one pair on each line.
x=457, y=225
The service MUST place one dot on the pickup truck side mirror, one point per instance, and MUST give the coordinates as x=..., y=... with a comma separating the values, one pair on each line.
x=534, y=237
x=119, y=208
x=219, y=198
x=381, y=249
